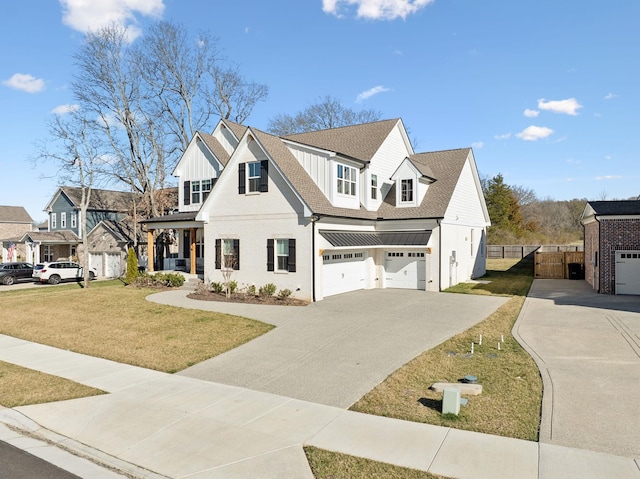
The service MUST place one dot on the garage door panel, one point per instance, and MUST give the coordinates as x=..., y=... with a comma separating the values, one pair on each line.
x=628, y=272
x=405, y=269
x=343, y=272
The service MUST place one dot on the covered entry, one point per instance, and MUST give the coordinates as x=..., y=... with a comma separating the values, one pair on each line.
x=627, y=272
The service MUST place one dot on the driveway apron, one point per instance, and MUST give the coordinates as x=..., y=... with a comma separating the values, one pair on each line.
x=334, y=351
x=587, y=347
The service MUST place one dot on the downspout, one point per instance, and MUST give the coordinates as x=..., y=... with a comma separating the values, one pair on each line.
x=439, y=255
x=595, y=217
x=313, y=218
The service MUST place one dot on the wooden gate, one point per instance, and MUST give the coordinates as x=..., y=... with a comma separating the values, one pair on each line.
x=555, y=265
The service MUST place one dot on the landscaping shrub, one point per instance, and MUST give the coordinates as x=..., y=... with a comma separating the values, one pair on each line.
x=171, y=280
x=251, y=290
x=132, y=266
x=268, y=289
x=284, y=294
x=233, y=286
x=217, y=287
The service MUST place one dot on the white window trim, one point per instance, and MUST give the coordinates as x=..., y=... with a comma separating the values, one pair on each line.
x=54, y=222
x=249, y=190
x=74, y=220
x=277, y=256
x=63, y=220
x=352, y=181
x=411, y=181
x=374, y=187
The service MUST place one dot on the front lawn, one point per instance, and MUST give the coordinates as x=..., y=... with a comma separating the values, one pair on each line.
x=512, y=388
x=111, y=321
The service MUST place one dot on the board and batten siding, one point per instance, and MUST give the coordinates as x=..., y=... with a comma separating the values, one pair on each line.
x=200, y=164
x=315, y=164
x=386, y=161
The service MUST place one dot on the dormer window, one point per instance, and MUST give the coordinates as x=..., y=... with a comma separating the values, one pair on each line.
x=347, y=180
x=374, y=187
x=406, y=191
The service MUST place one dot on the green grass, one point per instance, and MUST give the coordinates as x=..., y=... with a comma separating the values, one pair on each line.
x=512, y=388
x=111, y=321
x=333, y=465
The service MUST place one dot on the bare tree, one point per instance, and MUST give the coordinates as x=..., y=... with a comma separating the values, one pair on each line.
x=327, y=113
x=79, y=154
x=151, y=98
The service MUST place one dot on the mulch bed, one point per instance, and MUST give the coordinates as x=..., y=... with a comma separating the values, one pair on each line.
x=204, y=295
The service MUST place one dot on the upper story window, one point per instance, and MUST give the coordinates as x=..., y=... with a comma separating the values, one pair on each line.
x=196, y=191
x=253, y=176
x=347, y=180
x=374, y=187
x=406, y=191
x=63, y=220
x=74, y=220
x=53, y=221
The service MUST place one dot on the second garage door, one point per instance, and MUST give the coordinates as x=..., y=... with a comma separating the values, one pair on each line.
x=405, y=269
x=343, y=272
x=627, y=272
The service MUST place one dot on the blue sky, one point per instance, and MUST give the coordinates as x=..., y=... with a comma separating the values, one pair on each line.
x=546, y=92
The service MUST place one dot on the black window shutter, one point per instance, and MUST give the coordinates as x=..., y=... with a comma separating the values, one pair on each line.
x=187, y=192
x=270, y=255
x=236, y=252
x=218, y=254
x=264, y=176
x=292, y=255
x=241, y=179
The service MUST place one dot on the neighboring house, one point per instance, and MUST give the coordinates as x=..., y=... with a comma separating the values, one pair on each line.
x=109, y=228
x=612, y=246
x=14, y=222
x=330, y=211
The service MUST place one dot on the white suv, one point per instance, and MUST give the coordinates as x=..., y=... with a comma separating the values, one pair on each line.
x=57, y=271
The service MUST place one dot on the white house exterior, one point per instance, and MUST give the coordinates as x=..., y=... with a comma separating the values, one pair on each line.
x=331, y=211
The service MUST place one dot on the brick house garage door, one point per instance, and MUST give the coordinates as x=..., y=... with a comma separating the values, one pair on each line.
x=628, y=272
x=343, y=272
x=405, y=269
x=95, y=261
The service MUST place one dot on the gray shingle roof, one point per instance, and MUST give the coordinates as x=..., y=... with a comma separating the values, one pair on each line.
x=360, y=142
x=62, y=236
x=237, y=129
x=445, y=167
x=105, y=200
x=216, y=147
x=622, y=207
x=14, y=214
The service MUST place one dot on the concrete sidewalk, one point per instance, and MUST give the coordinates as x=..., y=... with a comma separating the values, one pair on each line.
x=159, y=425
x=587, y=347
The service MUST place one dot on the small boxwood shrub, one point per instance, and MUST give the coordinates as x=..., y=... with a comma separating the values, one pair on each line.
x=268, y=289
x=284, y=294
x=217, y=287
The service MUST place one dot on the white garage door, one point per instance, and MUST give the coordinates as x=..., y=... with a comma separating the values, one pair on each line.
x=627, y=272
x=405, y=269
x=95, y=261
x=343, y=272
x=113, y=267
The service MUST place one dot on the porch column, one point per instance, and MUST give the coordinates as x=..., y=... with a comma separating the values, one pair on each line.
x=193, y=250
x=150, y=251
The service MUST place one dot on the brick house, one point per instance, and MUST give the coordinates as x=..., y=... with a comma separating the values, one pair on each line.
x=612, y=246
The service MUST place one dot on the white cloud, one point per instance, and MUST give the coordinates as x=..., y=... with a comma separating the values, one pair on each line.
x=477, y=144
x=371, y=92
x=84, y=16
x=64, y=109
x=375, y=9
x=610, y=96
x=608, y=177
x=531, y=113
x=25, y=82
x=504, y=136
x=533, y=133
x=570, y=106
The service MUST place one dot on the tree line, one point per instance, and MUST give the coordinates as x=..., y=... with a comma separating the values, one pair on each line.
x=518, y=216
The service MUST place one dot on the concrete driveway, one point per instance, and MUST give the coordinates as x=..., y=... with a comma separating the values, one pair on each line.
x=587, y=347
x=333, y=352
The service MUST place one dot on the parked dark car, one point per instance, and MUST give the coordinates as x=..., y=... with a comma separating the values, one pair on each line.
x=12, y=272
